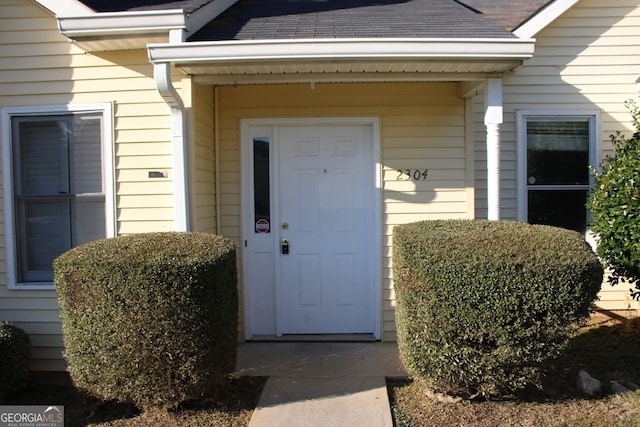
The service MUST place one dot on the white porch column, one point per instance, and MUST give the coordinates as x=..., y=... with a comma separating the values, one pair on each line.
x=492, y=121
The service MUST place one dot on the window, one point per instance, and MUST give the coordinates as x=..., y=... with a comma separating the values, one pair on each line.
x=56, y=192
x=555, y=152
x=261, y=192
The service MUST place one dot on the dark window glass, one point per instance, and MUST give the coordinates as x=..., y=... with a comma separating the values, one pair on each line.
x=558, y=171
x=560, y=208
x=557, y=153
x=262, y=197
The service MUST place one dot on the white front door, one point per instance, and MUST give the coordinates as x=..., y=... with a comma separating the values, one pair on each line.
x=311, y=221
x=326, y=192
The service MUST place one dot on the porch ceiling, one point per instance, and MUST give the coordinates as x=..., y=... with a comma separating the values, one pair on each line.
x=344, y=71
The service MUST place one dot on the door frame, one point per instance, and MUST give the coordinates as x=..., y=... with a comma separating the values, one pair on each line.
x=247, y=219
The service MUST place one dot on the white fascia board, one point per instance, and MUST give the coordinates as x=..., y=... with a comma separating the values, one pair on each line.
x=206, y=14
x=103, y=24
x=546, y=16
x=340, y=49
x=66, y=7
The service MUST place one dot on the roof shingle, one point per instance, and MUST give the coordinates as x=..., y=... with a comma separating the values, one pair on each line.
x=269, y=19
x=509, y=14
x=286, y=19
x=188, y=6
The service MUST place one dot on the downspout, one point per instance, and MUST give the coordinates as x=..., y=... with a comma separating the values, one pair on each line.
x=162, y=76
x=492, y=120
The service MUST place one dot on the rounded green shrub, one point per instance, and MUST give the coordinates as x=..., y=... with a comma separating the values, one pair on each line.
x=482, y=305
x=615, y=206
x=15, y=354
x=150, y=319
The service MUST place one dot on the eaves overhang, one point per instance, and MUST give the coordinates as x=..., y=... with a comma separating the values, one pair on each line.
x=343, y=59
x=121, y=31
x=134, y=30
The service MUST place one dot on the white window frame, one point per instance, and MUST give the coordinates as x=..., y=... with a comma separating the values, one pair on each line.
x=108, y=165
x=593, y=116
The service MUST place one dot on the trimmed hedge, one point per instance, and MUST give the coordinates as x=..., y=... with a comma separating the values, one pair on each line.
x=150, y=319
x=15, y=354
x=482, y=305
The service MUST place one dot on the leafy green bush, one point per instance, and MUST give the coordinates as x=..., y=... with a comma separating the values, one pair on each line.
x=149, y=319
x=481, y=305
x=15, y=354
x=615, y=206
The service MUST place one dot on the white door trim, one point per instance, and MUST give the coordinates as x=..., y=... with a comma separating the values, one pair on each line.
x=247, y=226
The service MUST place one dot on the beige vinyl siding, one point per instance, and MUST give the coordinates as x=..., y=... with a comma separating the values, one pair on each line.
x=203, y=160
x=40, y=67
x=617, y=298
x=422, y=127
x=587, y=59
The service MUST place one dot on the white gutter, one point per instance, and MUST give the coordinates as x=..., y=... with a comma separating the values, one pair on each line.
x=340, y=49
x=116, y=23
x=162, y=75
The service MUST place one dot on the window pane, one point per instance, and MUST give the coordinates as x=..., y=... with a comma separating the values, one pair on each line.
x=86, y=164
x=46, y=235
x=88, y=219
x=557, y=152
x=42, y=158
x=261, y=192
x=560, y=208
x=58, y=188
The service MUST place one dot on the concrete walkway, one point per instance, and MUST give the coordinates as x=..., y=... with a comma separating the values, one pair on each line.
x=321, y=383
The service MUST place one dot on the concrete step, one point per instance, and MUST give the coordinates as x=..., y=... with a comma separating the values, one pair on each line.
x=323, y=401
x=319, y=384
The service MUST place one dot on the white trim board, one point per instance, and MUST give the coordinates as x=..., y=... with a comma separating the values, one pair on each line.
x=546, y=16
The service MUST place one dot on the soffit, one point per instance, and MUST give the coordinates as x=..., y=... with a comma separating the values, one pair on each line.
x=122, y=43
x=345, y=71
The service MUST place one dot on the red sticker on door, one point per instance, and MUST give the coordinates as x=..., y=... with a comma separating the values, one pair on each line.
x=262, y=226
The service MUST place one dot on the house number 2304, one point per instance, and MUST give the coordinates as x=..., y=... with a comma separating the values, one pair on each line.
x=412, y=174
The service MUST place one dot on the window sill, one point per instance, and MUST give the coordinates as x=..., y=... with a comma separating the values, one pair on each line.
x=36, y=286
